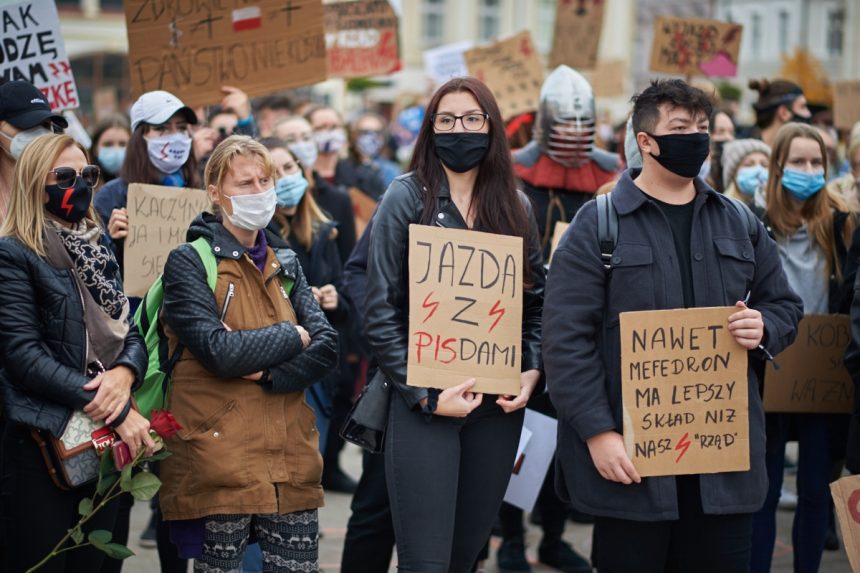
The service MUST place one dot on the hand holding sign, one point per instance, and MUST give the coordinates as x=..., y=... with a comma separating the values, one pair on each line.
x=746, y=326
x=459, y=401
x=528, y=381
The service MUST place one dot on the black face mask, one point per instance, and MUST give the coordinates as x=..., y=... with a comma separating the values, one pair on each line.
x=801, y=119
x=69, y=204
x=461, y=152
x=682, y=154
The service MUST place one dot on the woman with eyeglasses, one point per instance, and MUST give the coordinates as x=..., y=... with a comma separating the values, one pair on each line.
x=817, y=237
x=66, y=344
x=449, y=454
x=159, y=152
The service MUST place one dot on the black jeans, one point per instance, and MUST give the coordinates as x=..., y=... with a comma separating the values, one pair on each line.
x=446, y=479
x=695, y=543
x=38, y=513
x=369, y=540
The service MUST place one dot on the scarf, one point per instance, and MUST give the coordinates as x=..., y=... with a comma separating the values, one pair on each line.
x=94, y=264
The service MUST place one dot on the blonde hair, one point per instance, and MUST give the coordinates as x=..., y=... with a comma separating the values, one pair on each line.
x=27, y=217
x=222, y=158
x=817, y=211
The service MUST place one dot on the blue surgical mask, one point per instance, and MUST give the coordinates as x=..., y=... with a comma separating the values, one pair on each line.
x=751, y=178
x=111, y=158
x=802, y=185
x=291, y=189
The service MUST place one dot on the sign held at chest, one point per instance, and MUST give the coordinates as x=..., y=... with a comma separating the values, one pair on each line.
x=684, y=392
x=465, y=309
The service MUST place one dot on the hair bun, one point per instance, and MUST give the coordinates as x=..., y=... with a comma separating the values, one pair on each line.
x=762, y=86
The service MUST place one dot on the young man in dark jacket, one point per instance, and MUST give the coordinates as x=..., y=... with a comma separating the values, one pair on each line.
x=680, y=245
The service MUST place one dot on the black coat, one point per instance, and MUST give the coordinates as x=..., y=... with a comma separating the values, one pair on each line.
x=43, y=341
x=335, y=201
x=582, y=353
x=386, y=302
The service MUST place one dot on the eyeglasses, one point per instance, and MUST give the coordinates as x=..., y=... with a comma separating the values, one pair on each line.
x=469, y=121
x=66, y=176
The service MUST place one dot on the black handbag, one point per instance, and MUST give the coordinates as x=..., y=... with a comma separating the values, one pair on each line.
x=368, y=418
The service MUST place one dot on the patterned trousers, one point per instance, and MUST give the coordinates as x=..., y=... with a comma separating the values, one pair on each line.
x=289, y=542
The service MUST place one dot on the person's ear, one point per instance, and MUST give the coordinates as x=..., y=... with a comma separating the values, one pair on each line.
x=784, y=114
x=646, y=144
x=214, y=196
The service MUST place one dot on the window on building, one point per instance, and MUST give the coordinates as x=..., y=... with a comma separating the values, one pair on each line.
x=433, y=15
x=835, y=31
x=112, y=5
x=545, y=26
x=68, y=4
x=756, y=35
x=489, y=13
x=783, y=31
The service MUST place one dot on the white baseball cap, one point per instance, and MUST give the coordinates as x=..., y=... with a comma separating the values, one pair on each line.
x=157, y=107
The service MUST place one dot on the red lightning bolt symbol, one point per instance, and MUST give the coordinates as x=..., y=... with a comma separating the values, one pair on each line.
x=683, y=445
x=164, y=151
x=496, y=311
x=65, y=202
x=433, y=305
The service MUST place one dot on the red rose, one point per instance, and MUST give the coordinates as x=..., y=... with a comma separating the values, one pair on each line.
x=164, y=424
x=121, y=454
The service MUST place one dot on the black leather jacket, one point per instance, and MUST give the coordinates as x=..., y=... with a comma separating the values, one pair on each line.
x=387, y=297
x=43, y=341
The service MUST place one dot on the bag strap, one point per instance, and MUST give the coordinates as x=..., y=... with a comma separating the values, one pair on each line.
x=607, y=229
x=747, y=217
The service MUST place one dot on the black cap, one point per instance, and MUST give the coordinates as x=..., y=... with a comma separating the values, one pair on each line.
x=24, y=106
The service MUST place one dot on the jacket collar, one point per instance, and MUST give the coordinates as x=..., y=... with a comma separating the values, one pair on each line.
x=627, y=197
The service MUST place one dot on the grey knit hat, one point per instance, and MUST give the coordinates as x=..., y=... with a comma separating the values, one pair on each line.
x=735, y=151
x=631, y=148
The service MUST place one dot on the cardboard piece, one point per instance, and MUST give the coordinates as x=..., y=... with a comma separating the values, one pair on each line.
x=465, y=309
x=191, y=49
x=846, y=104
x=607, y=78
x=557, y=233
x=33, y=50
x=158, y=218
x=694, y=46
x=534, y=455
x=363, y=208
x=812, y=376
x=446, y=62
x=361, y=38
x=846, y=500
x=577, y=34
x=512, y=70
x=684, y=391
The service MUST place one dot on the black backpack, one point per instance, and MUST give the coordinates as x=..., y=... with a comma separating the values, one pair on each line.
x=607, y=226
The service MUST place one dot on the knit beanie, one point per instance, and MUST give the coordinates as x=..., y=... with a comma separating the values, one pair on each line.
x=735, y=151
x=631, y=148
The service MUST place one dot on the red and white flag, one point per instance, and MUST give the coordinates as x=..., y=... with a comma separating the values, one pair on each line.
x=249, y=18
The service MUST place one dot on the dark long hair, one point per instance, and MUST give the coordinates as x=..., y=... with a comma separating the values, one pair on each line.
x=498, y=206
x=137, y=168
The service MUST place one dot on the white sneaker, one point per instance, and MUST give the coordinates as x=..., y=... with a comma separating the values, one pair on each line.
x=787, y=500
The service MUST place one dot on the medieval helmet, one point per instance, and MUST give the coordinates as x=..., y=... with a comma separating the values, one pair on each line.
x=565, y=125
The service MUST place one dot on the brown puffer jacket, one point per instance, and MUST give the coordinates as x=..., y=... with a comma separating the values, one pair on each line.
x=245, y=447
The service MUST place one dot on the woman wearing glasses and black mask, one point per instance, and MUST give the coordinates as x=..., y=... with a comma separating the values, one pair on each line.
x=65, y=345
x=449, y=454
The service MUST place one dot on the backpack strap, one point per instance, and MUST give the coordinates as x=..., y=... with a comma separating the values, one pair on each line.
x=747, y=216
x=607, y=229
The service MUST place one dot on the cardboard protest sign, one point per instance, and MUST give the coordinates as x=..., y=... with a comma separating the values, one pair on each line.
x=691, y=46
x=577, y=34
x=846, y=104
x=465, y=309
x=846, y=500
x=362, y=208
x=191, y=49
x=33, y=50
x=684, y=390
x=607, y=78
x=512, y=70
x=446, y=62
x=361, y=38
x=811, y=375
x=158, y=218
x=557, y=233
x=534, y=454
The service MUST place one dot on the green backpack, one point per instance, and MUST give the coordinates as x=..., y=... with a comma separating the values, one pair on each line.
x=152, y=394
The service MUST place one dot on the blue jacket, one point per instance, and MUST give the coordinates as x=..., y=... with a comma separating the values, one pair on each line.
x=581, y=337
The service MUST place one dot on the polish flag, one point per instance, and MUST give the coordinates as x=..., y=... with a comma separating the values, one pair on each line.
x=248, y=18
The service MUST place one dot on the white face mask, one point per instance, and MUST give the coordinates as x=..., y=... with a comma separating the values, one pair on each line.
x=170, y=152
x=23, y=138
x=305, y=152
x=330, y=141
x=253, y=212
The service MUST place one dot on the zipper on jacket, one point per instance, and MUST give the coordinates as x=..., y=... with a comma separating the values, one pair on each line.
x=231, y=291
